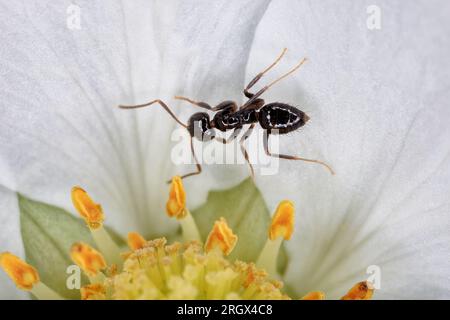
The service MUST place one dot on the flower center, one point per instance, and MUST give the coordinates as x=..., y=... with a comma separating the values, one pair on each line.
x=181, y=270
x=186, y=271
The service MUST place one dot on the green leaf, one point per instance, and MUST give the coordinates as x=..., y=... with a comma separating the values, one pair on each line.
x=48, y=232
x=246, y=212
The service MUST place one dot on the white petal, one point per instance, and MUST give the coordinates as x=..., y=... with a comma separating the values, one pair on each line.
x=10, y=240
x=60, y=87
x=202, y=54
x=378, y=101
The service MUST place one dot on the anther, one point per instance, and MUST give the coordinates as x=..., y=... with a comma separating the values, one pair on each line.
x=90, y=211
x=361, y=291
x=221, y=237
x=281, y=228
x=24, y=275
x=136, y=241
x=87, y=258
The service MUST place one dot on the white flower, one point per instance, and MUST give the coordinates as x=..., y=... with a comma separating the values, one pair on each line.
x=378, y=100
x=379, y=106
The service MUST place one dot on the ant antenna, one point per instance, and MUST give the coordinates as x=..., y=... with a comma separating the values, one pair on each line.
x=275, y=62
x=161, y=103
x=264, y=89
x=287, y=74
x=261, y=74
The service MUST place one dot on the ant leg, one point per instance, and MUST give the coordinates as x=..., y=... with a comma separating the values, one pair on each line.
x=256, y=104
x=204, y=105
x=199, y=167
x=288, y=157
x=227, y=104
x=233, y=136
x=264, y=89
x=161, y=103
x=259, y=75
x=243, y=150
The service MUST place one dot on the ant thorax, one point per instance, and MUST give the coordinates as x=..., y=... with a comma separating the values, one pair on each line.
x=226, y=120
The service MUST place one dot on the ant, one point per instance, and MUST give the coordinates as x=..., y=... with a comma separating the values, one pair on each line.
x=281, y=117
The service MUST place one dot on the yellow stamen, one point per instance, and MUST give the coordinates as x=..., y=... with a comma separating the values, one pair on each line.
x=90, y=211
x=315, y=295
x=221, y=237
x=360, y=291
x=94, y=291
x=107, y=246
x=26, y=277
x=176, y=205
x=281, y=228
x=155, y=270
x=189, y=228
x=283, y=221
x=136, y=241
x=185, y=271
x=87, y=258
x=43, y=292
x=23, y=275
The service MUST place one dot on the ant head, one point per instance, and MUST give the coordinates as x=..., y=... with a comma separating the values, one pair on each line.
x=199, y=126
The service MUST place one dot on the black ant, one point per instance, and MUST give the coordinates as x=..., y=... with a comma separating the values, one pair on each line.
x=280, y=117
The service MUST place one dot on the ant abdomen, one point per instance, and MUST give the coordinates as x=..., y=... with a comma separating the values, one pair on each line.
x=281, y=117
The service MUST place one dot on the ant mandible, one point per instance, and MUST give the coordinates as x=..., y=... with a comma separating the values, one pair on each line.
x=280, y=117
